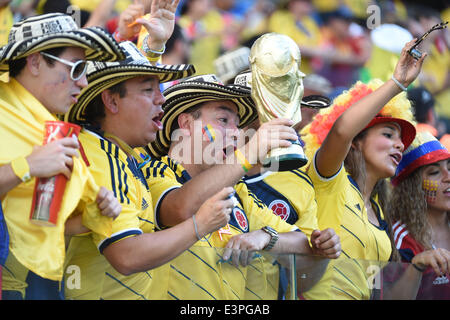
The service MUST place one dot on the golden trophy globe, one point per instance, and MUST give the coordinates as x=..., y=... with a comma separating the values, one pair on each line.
x=277, y=89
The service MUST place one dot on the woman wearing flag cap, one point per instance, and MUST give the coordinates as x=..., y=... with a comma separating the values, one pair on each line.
x=419, y=210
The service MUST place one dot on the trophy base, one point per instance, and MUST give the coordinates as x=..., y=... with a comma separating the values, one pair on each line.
x=285, y=159
x=285, y=162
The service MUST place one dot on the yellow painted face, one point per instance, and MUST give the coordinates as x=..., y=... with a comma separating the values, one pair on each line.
x=430, y=187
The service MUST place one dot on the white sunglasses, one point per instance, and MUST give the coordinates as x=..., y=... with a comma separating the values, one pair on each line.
x=78, y=68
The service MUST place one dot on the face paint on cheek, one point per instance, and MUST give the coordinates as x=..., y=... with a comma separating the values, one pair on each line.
x=209, y=132
x=430, y=187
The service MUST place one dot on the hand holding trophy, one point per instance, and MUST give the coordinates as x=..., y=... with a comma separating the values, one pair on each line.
x=277, y=90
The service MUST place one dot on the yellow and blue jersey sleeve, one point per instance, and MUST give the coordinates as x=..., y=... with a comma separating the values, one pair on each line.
x=258, y=213
x=99, y=280
x=162, y=177
x=290, y=195
x=108, y=166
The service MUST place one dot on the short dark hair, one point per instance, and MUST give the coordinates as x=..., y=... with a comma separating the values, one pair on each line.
x=95, y=110
x=16, y=66
x=422, y=102
x=194, y=111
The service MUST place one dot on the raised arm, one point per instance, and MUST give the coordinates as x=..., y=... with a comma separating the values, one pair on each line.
x=159, y=24
x=338, y=141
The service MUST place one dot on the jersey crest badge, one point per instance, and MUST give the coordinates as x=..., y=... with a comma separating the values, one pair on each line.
x=241, y=219
x=280, y=208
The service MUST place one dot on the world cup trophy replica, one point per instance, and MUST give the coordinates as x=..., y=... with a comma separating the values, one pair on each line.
x=277, y=90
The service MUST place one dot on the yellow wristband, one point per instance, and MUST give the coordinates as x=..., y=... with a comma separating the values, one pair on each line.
x=21, y=169
x=154, y=59
x=245, y=164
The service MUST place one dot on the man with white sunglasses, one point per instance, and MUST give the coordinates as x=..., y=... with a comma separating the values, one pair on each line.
x=42, y=68
x=77, y=69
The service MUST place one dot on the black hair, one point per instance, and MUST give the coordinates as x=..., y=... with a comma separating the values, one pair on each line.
x=194, y=111
x=176, y=35
x=422, y=102
x=95, y=110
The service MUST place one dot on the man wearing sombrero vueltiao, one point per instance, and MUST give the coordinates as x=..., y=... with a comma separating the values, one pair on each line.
x=120, y=111
x=45, y=57
x=217, y=264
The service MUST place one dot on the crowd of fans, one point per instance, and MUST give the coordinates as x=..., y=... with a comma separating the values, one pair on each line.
x=352, y=51
x=342, y=40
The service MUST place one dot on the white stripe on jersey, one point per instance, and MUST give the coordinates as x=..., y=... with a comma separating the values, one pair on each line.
x=398, y=229
x=398, y=243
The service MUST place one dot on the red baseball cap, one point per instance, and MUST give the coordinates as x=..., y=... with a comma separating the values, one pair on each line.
x=408, y=131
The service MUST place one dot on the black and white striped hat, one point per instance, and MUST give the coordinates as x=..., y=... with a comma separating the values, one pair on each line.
x=190, y=93
x=103, y=75
x=54, y=30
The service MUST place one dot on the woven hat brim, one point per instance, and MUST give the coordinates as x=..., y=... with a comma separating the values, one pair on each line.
x=184, y=96
x=107, y=77
x=99, y=45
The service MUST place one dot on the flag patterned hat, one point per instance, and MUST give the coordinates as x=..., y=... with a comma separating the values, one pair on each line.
x=424, y=150
x=54, y=30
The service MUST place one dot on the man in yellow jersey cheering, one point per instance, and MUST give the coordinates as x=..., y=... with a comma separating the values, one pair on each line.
x=190, y=169
x=120, y=110
x=45, y=57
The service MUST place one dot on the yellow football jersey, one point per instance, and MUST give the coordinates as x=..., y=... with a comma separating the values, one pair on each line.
x=291, y=196
x=340, y=206
x=37, y=248
x=111, y=168
x=200, y=272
